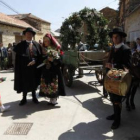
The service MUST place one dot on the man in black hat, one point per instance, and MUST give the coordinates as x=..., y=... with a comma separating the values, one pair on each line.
x=120, y=56
x=28, y=57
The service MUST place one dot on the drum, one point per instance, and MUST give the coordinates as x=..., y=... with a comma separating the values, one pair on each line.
x=117, y=82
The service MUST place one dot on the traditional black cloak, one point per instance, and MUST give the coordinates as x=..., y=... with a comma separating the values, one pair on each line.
x=27, y=78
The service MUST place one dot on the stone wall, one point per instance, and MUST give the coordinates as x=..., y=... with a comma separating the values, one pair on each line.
x=45, y=28
x=132, y=25
x=111, y=15
x=10, y=34
x=34, y=23
x=123, y=11
x=125, y=8
x=38, y=37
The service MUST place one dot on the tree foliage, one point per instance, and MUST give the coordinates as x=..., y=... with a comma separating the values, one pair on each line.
x=72, y=31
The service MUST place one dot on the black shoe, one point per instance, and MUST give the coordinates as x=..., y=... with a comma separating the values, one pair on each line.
x=115, y=125
x=133, y=106
x=111, y=117
x=23, y=102
x=128, y=108
x=79, y=76
x=35, y=100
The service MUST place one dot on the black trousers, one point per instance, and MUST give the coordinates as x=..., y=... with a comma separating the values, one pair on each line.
x=33, y=94
x=117, y=106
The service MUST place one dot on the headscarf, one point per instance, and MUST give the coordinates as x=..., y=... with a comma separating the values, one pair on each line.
x=53, y=41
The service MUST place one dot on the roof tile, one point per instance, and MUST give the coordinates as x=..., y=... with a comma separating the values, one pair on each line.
x=13, y=21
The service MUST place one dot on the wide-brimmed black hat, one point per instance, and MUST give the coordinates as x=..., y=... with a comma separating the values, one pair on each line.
x=117, y=30
x=29, y=29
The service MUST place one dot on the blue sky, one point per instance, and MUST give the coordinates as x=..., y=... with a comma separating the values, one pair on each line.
x=54, y=11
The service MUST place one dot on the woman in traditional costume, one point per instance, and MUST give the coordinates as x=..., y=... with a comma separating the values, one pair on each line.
x=52, y=85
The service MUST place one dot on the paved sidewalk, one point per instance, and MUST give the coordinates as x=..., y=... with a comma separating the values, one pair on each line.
x=79, y=116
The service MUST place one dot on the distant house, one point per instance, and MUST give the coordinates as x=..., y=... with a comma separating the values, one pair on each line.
x=12, y=26
x=129, y=15
x=56, y=35
x=111, y=15
x=58, y=30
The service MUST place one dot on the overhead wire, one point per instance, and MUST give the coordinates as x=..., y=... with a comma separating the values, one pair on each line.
x=108, y=4
x=4, y=6
x=9, y=7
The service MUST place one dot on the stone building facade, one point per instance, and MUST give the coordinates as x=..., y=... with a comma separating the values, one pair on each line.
x=129, y=18
x=10, y=34
x=111, y=15
x=132, y=25
x=12, y=26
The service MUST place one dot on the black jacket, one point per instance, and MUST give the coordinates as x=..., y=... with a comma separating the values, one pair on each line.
x=27, y=78
x=121, y=58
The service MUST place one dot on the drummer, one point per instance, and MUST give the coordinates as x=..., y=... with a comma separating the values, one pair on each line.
x=119, y=58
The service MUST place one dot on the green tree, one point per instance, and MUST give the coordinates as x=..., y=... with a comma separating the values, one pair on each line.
x=96, y=32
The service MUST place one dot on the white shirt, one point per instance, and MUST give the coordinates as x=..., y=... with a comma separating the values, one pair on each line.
x=29, y=41
x=118, y=45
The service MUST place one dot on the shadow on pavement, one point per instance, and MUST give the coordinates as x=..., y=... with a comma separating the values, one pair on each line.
x=95, y=130
x=18, y=112
x=100, y=129
x=79, y=88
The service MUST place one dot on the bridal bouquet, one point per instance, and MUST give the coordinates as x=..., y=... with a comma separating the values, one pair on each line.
x=49, y=52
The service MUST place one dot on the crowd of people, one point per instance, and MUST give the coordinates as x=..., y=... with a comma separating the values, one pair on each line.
x=7, y=56
x=134, y=45
x=39, y=64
